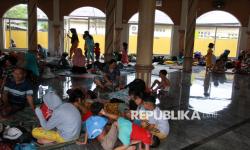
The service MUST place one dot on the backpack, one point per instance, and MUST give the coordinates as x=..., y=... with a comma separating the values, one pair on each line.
x=25, y=146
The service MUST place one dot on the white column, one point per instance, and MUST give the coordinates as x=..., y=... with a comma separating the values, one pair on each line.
x=32, y=25
x=185, y=90
x=248, y=36
x=110, y=28
x=56, y=41
x=189, y=35
x=56, y=26
x=184, y=11
x=125, y=33
x=145, y=40
x=175, y=41
x=51, y=37
x=242, y=42
x=118, y=24
x=2, y=39
x=61, y=47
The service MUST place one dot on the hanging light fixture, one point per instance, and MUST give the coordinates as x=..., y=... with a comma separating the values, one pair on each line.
x=219, y=4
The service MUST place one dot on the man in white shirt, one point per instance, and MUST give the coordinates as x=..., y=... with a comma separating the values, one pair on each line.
x=157, y=125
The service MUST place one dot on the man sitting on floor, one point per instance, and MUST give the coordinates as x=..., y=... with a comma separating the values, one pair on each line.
x=111, y=77
x=16, y=93
x=157, y=126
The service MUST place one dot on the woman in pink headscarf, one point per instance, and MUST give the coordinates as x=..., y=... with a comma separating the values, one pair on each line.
x=78, y=61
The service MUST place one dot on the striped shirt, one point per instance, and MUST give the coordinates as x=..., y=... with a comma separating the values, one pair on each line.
x=17, y=93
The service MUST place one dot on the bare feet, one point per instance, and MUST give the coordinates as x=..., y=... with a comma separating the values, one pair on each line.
x=44, y=141
x=131, y=148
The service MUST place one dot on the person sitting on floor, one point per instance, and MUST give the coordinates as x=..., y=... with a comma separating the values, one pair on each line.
x=113, y=107
x=42, y=52
x=157, y=126
x=247, y=63
x=238, y=65
x=97, y=128
x=76, y=97
x=16, y=93
x=137, y=98
x=8, y=66
x=130, y=133
x=78, y=62
x=224, y=55
x=65, y=118
x=219, y=66
x=31, y=64
x=111, y=77
x=135, y=87
x=243, y=54
x=63, y=62
x=164, y=84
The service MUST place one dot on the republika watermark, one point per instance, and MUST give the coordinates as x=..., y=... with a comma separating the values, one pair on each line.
x=167, y=115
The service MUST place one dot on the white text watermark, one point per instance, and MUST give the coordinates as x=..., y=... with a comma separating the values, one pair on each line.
x=167, y=115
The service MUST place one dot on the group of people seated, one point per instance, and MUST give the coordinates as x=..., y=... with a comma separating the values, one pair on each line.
x=104, y=122
x=83, y=61
x=222, y=63
x=242, y=65
x=28, y=60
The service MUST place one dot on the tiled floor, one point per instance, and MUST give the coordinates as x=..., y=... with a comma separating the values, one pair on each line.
x=222, y=100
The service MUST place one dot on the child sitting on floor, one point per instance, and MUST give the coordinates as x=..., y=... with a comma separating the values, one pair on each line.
x=164, y=84
x=219, y=66
x=130, y=133
x=137, y=98
x=157, y=126
x=76, y=97
x=63, y=62
x=97, y=128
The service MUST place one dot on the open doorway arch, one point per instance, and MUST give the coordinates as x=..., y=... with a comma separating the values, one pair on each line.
x=162, y=33
x=15, y=27
x=85, y=19
x=220, y=28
